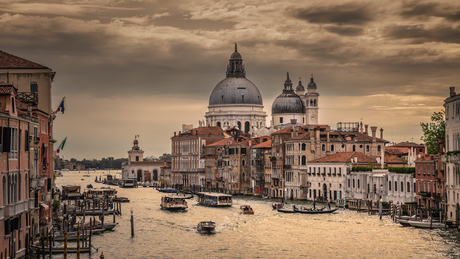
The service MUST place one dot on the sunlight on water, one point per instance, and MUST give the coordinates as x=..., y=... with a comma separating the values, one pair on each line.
x=266, y=234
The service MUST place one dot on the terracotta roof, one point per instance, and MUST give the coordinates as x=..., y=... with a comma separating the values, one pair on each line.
x=266, y=144
x=210, y=130
x=394, y=160
x=6, y=88
x=14, y=62
x=345, y=157
x=397, y=150
x=300, y=129
x=219, y=143
x=408, y=144
x=425, y=158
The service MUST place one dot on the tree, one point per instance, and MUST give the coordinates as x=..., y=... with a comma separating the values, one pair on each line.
x=165, y=155
x=434, y=130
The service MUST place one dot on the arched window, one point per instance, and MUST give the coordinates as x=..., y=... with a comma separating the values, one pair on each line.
x=353, y=183
x=314, y=103
x=323, y=148
x=408, y=187
x=402, y=187
x=304, y=160
x=244, y=177
x=389, y=185
x=335, y=170
x=247, y=127
x=304, y=146
x=239, y=125
x=379, y=148
x=354, y=147
x=332, y=147
x=243, y=162
x=19, y=187
x=26, y=186
x=367, y=148
x=311, y=102
x=5, y=193
x=348, y=183
x=358, y=184
x=396, y=186
x=139, y=175
x=218, y=124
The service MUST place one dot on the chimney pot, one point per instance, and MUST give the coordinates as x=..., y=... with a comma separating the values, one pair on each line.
x=365, y=126
x=381, y=133
x=373, y=129
x=452, y=91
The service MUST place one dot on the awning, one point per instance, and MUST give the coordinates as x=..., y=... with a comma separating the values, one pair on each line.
x=46, y=207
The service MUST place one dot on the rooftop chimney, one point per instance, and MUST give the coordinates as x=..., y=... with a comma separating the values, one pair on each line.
x=452, y=91
x=174, y=133
x=374, y=130
x=367, y=133
x=381, y=133
x=327, y=132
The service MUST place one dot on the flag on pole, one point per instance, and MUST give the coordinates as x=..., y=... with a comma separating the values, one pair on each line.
x=61, y=107
x=61, y=146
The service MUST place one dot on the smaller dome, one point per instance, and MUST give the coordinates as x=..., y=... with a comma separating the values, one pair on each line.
x=312, y=84
x=288, y=101
x=236, y=54
x=300, y=87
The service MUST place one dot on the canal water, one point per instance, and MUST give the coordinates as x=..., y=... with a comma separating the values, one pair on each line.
x=266, y=234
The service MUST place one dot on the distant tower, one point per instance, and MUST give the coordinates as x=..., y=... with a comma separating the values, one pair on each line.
x=135, y=154
x=311, y=101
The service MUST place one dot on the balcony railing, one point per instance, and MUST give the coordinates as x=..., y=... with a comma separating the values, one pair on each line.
x=16, y=208
x=31, y=203
x=28, y=98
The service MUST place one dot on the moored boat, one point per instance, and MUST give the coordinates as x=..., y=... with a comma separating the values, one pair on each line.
x=89, y=186
x=214, y=199
x=247, y=209
x=167, y=190
x=170, y=202
x=206, y=227
x=120, y=199
x=426, y=224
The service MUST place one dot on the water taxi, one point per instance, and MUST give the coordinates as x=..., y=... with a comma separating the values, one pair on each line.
x=127, y=183
x=206, y=227
x=101, y=193
x=170, y=202
x=214, y=199
x=247, y=209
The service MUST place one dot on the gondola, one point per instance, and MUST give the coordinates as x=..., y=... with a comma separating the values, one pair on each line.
x=286, y=211
x=276, y=206
x=315, y=212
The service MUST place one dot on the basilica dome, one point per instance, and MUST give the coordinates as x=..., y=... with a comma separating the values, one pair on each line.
x=288, y=101
x=235, y=88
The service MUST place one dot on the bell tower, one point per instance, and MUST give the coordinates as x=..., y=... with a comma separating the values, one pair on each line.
x=311, y=101
x=135, y=154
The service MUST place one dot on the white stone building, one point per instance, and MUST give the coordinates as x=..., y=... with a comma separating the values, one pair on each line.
x=452, y=109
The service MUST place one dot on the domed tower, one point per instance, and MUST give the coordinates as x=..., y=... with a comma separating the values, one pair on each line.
x=311, y=101
x=287, y=106
x=236, y=101
x=135, y=154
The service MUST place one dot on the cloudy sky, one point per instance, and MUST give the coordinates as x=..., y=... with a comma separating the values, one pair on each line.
x=145, y=67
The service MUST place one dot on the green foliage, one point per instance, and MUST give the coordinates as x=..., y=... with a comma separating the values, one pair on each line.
x=434, y=130
x=361, y=169
x=56, y=204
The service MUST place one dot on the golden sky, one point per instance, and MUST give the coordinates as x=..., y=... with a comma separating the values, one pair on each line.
x=146, y=67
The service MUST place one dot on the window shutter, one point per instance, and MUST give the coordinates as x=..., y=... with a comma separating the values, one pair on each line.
x=6, y=147
x=20, y=140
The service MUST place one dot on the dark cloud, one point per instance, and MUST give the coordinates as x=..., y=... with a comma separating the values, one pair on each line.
x=345, y=30
x=418, y=34
x=425, y=10
x=184, y=22
x=336, y=14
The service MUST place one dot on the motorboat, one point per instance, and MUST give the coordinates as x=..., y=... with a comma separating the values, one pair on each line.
x=206, y=227
x=171, y=202
x=120, y=199
x=209, y=199
x=247, y=209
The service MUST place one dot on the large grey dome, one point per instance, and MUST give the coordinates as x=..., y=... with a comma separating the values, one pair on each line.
x=235, y=88
x=288, y=101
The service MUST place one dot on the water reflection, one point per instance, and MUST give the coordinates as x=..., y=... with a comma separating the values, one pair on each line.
x=266, y=234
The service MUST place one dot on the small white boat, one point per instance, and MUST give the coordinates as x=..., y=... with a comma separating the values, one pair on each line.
x=426, y=224
x=109, y=225
x=206, y=227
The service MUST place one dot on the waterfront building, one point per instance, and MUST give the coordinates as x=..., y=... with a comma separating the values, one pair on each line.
x=380, y=184
x=165, y=175
x=430, y=181
x=188, y=158
x=32, y=84
x=17, y=207
x=236, y=101
x=452, y=158
x=261, y=166
x=138, y=169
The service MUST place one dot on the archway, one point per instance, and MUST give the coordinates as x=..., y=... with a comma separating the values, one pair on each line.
x=139, y=175
x=246, y=127
x=239, y=125
x=218, y=124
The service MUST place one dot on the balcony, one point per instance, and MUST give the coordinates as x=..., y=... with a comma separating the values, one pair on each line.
x=47, y=197
x=28, y=98
x=19, y=207
x=287, y=166
x=31, y=203
x=37, y=183
x=276, y=175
